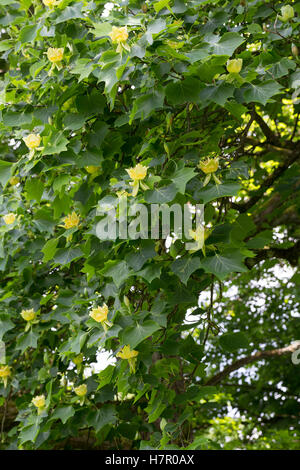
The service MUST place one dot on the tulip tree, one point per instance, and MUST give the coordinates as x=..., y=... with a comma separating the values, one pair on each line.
x=168, y=101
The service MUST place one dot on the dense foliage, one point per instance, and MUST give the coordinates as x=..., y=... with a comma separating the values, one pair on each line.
x=205, y=95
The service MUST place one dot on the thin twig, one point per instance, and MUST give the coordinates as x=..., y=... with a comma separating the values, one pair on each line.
x=4, y=416
x=209, y=313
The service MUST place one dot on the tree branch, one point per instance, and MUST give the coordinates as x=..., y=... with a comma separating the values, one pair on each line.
x=290, y=254
x=249, y=359
x=268, y=133
x=267, y=183
x=268, y=146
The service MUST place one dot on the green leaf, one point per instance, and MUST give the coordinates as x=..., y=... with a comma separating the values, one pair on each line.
x=156, y=413
x=150, y=272
x=233, y=341
x=155, y=407
x=281, y=68
x=144, y=105
x=134, y=335
x=29, y=33
x=60, y=182
x=158, y=313
x=101, y=29
x=5, y=325
x=27, y=340
x=5, y=172
x=199, y=443
x=49, y=249
x=12, y=119
x=36, y=68
x=181, y=177
x=156, y=26
x=217, y=94
x=210, y=69
x=262, y=92
x=161, y=195
x=183, y=91
x=137, y=260
x=83, y=68
x=220, y=234
x=66, y=255
x=70, y=12
x=184, y=267
x=56, y=143
x=227, y=44
x=29, y=433
x=5, y=45
x=216, y=191
x=242, y=226
x=75, y=344
x=91, y=104
x=117, y=270
x=222, y=265
x=199, y=54
x=160, y=5
x=63, y=413
x=6, y=2
x=34, y=188
x=106, y=415
x=254, y=28
x=108, y=75
x=74, y=121
x=99, y=336
x=261, y=240
x=235, y=109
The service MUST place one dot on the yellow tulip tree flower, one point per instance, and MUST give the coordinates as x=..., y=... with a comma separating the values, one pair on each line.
x=14, y=180
x=99, y=314
x=33, y=141
x=199, y=235
x=287, y=13
x=81, y=392
x=9, y=218
x=72, y=220
x=234, y=65
x=29, y=316
x=50, y=3
x=137, y=174
x=5, y=373
x=130, y=355
x=92, y=169
x=120, y=36
x=39, y=402
x=209, y=167
x=55, y=56
x=78, y=360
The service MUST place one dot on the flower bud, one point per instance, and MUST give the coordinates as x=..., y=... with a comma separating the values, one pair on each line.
x=81, y=390
x=295, y=50
x=39, y=401
x=287, y=12
x=234, y=65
